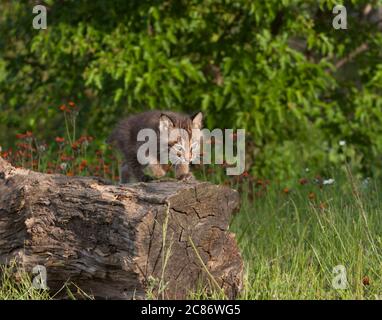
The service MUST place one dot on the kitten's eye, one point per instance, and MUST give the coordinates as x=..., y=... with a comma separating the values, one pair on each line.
x=179, y=147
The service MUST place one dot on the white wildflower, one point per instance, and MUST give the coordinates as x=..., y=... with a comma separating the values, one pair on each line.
x=41, y=148
x=328, y=182
x=63, y=166
x=342, y=143
x=366, y=182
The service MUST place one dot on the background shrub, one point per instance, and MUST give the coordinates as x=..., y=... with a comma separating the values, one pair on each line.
x=276, y=68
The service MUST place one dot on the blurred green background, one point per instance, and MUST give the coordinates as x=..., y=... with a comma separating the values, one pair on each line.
x=308, y=95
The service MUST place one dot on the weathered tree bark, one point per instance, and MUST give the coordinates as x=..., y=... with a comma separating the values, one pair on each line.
x=120, y=241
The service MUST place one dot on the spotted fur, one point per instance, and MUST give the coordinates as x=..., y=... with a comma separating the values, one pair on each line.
x=182, y=145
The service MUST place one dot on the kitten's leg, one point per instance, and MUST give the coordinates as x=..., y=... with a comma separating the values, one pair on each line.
x=132, y=171
x=182, y=172
x=156, y=170
x=125, y=176
x=137, y=171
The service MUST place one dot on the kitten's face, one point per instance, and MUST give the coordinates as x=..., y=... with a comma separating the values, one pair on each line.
x=183, y=141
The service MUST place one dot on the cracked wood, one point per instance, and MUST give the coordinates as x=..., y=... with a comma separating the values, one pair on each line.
x=108, y=239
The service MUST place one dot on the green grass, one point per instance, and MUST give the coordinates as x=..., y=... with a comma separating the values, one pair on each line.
x=290, y=242
x=16, y=284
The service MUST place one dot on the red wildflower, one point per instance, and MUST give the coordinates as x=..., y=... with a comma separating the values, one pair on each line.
x=23, y=146
x=72, y=104
x=366, y=281
x=245, y=174
x=106, y=169
x=83, y=165
x=60, y=140
x=286, y=190
x=66, y=158
x=84, y=139
x=75, y=146
x=322, y=205
x=64, y=108
x=27, y=134
x=303, y=181
x=5, y=154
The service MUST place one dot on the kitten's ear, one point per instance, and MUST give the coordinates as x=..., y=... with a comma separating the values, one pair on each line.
x=197, y=120
x=165, y=123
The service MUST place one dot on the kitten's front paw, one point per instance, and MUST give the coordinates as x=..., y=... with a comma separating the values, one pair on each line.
x=186, y=177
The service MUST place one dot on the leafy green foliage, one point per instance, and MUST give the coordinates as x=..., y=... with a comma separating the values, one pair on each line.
x=276, y=68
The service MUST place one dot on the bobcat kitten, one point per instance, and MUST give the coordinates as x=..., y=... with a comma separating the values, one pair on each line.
x=182, y=143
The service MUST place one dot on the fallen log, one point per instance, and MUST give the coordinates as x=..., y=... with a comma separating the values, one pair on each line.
x=161, y=239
